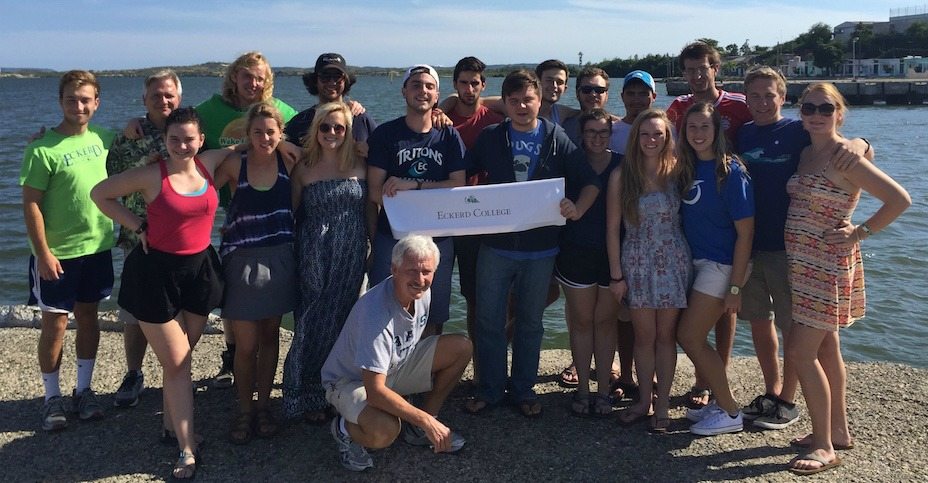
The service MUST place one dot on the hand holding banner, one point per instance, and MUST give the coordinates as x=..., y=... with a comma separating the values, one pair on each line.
x=476, y=210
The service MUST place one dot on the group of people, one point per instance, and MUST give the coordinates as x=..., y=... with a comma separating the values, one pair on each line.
x=677, y=220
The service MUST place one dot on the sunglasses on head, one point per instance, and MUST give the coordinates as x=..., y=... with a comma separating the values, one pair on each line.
x=326, y=128
x=826, y=109
x=596, y=89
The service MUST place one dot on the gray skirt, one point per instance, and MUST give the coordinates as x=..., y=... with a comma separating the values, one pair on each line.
x=259, y=282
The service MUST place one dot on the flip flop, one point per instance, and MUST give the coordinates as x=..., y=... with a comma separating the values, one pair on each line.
x=801, y=443
x=697, y=395
x=569, y=377
x=629, y=418
x=530, y=408
x=580, y=405
x=476, y=406
x=659, y=425
x=826, y=465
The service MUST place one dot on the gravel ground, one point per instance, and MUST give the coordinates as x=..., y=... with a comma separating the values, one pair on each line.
x=887, y=408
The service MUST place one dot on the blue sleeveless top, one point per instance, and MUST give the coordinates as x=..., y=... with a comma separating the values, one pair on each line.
x=257, y=218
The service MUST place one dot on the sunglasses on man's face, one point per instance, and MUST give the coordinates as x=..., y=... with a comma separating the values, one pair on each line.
x=590, y=89
x=326, y=128
x=826, y=109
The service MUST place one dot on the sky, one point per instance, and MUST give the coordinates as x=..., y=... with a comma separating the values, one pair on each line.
x=104, y=34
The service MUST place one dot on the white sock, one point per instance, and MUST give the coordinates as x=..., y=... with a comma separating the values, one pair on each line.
x=84, y=374
x=341, y=426
x=52, y=386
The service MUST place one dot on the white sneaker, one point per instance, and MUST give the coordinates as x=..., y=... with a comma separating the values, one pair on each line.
x=352, y=455
x=718, y=422
x=53, y=414
x=697, y=415
x=415, y=436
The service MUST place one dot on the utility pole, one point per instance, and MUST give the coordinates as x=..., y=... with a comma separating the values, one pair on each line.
x=854, y=58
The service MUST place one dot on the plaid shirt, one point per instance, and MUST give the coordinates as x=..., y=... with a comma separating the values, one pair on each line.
x=126, y=154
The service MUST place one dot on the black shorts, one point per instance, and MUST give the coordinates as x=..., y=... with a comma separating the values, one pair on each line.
x=86, y=279
x=157, y=285
x=581, y=267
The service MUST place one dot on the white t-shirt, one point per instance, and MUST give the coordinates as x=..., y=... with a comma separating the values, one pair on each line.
x=378, y=336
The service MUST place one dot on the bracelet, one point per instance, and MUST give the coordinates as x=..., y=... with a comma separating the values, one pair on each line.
x=142, y=228
x=617, y=280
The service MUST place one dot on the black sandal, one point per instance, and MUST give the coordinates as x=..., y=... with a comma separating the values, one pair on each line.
x=241, y=430
x=188, y=470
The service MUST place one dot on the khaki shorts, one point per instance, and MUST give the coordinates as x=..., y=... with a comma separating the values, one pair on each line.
x=766, y=295
x=713, y=278
x=415, y=375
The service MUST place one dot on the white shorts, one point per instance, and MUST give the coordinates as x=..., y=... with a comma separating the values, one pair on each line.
x=413, y=377
x=713, y=278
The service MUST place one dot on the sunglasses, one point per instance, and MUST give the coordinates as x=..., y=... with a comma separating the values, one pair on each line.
x=826, y=109
x=590, y=89
x=326, y=128
x=331, y=77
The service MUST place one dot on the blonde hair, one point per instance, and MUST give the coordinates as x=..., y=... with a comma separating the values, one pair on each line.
x=723, y=156
x=312, y=151
x=633, y=169
x=765, y=72
x=262, y=110
x=247, y=61
x=831, y=91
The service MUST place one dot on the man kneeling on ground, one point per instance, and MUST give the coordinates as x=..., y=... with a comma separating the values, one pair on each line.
x=378, y=358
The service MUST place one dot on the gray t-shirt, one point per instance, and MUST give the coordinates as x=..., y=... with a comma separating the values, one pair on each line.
x=378, y=335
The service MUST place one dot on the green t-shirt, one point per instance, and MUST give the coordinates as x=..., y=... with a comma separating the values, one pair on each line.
x=66, y=168
x=224, y=124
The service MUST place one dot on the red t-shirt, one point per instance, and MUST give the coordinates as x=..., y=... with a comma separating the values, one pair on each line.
x=731, y=106
x=470, y=127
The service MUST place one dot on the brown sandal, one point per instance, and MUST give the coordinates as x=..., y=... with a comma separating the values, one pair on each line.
x=241, y=431
x=265, y=424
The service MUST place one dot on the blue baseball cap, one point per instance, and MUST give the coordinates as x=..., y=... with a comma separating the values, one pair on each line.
x=641, y=76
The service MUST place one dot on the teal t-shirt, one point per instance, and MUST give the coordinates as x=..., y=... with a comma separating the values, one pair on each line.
x=66, y=168
x=224, y=124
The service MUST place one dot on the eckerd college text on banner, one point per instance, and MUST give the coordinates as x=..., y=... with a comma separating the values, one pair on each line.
x=476, y=210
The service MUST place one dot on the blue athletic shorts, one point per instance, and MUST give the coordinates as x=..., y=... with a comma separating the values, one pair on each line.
x=86, y=279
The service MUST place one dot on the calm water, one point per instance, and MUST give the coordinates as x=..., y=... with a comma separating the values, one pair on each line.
x=896, y=259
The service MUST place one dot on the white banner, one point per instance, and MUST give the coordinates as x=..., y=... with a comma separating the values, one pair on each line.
x=476, y=210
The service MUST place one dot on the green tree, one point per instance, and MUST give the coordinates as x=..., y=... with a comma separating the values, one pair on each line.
x=745, y=48
x=828, y=56
x=731, y=49
x=712, y=42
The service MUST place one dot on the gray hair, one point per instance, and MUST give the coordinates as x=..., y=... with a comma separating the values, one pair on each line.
x=163, y=74
x=417, y=246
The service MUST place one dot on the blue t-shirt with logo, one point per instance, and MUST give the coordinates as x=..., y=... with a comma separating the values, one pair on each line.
x=526, y=150
x=709, y=212
x=771, y=154
x=401, y=152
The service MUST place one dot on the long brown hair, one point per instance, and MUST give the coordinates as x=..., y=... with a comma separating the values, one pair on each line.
x=312, y=151
x=633, y=166
x=723, y=156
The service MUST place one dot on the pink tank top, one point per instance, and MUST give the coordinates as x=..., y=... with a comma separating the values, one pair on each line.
x=180, y=224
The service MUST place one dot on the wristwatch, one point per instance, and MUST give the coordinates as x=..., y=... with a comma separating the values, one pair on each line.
x=734, y=290
x=143, y=227
x=866, y=229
